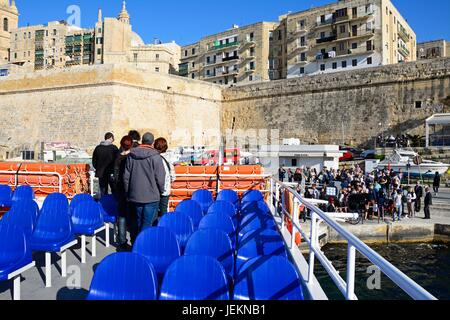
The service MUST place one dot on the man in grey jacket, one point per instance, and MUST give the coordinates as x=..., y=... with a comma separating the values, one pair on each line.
x=144, y=181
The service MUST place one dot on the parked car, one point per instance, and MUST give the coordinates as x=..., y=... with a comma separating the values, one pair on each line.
x=348, y=155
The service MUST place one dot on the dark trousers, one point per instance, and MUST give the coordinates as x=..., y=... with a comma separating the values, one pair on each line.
x=104, y=183
x=426, y=209
x=122, y=221
x=418, y=204
x=436, y=189
x=163, y=206
x=145, y=215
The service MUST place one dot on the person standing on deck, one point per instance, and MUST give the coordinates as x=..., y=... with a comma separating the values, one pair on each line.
x=103, y=161
x=411, y=199
x=419, y=194
x=428, y=203
x=135, y=135
x=290, y=175
x=281, y=173
x=161, y=146
x=119, y=168
x=436, y=183
x=144, y=181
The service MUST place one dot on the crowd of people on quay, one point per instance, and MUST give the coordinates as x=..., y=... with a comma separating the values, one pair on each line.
x=379, y=193
x=139, y=176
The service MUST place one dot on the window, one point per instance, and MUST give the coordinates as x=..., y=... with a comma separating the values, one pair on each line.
x=208, y=60
x=322, y=67
x=322, y=35
x=344, y=64
x=46, y=33
x=157, y=56
x=54, y=32
x=294, y=162
x=302, y=41
x=15, y=55
x=303, y=56
x=334, y=66
x=250, y=78
x=369, y=46
x=354, y=30
x=99, y=30
x=342, y=29
x=302, y=23
x=354, y=45
x=341, y=46
x=185, y=53
x=354, y=63
x=99, y=51
x=193, y=64
x=369, y=60
x=252, y=65
x=354, y=12
x=135, y=57
x=280, y=35
x=302, y=70
x=252, y=35
x=29, y=35
x=5, y=24
x=322, y=18
x=193, y=51
x=15, y=36
x=208, y=72
x=418, y=104
x=193, y=76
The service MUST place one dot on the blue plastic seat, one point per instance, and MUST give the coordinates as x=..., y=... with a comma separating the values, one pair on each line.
x=252, y=195
x=87, y=218
x=15, y=252
x=268, y=278
x=204, y=198
x=54, y=227
x=226, y=207
x=259, y=243
x=56, y=201
x=180, y=224
x=214, y=243
x=5, y=196
x=195, y=278
x=220, y=221
x=254, y=206
x=192, y=209
x=230, y=196
x=23, y=214
x=160, y=246
x=124, y=276
x=256, y=221
x=23, y=193
x=110, y=208
x=79, y=198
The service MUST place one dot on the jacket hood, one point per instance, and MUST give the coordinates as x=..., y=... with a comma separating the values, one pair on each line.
x=141, y=153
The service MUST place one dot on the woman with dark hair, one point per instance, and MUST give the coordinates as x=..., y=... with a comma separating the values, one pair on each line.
x=161, y=146
x=119, y=168
x=136, y=136
x=436, y=183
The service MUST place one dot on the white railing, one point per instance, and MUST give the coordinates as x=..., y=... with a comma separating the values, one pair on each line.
x=346, y=287
x=16, y=175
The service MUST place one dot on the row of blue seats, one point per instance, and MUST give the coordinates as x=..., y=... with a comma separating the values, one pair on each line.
x=227, y=253
x=7, y=197
x=52, y=229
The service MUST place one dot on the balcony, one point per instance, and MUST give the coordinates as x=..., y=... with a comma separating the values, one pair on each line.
x=230, y=58
x=403, y=51
x=326, y=39
x=403, y=34
x=225, y=45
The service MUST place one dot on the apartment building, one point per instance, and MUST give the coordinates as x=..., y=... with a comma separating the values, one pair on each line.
x=346, y=35
x=240, y=54
x=54, y=45
x=433, y=49
x=59, y=45
x=9, y=20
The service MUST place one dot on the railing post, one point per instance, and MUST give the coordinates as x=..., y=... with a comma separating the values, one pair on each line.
x=283, y=208
x=294, y=222
x=351, y=255
x=271, y=195
x=91, y=181
x=311, y=246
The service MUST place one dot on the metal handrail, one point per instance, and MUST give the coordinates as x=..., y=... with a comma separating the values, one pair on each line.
x=16, y=174
x=409, y=286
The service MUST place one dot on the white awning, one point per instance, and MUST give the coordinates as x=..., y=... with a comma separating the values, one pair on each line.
x=440, y=118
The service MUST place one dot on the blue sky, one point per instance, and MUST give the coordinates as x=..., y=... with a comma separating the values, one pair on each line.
x=188, y=20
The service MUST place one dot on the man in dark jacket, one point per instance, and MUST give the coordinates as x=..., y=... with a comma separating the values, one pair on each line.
x=428, y=203
x=418, y=190
x=103, y=161
x=144, y=180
